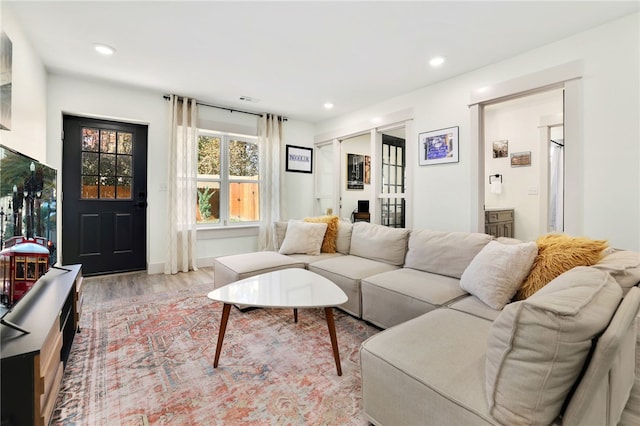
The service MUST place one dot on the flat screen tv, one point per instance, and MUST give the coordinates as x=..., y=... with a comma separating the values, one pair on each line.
x=27, y=225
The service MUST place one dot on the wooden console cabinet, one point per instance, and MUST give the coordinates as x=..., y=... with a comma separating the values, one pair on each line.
x=32, y=364
x=499, y=222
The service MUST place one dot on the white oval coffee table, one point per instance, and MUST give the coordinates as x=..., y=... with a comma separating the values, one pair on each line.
x=288, y=288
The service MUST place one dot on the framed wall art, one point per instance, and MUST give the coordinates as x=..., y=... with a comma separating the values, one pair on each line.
x=438, y=146
x=355, y=171
x=521, y=159
x=500, y=149
x=299, y=159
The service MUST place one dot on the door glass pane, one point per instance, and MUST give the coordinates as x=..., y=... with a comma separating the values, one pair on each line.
x=123, y=188
x=89, y=187
x=124, y=165
x=90, y=139
x=244, y=202
x=243, y=159
x=108, y=141
x=107, y=164
x=107, y=187
x=125, y=143
x=208, y=202
x=90, y=163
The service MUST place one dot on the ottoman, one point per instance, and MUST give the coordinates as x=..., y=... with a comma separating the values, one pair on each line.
x=228, y=269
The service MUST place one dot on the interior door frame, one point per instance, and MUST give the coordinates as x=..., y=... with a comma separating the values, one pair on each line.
x=373, y=126
x=116, y=121
x=567, y=76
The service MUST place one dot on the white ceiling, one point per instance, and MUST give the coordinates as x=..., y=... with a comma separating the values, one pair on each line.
x=294, y=56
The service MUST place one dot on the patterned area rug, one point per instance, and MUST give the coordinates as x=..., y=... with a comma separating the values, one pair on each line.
x=148, y=360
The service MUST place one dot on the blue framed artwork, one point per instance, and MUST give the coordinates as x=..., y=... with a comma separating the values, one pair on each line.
x=438, y=146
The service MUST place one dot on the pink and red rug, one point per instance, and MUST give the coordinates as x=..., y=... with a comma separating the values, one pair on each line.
x=148, y=360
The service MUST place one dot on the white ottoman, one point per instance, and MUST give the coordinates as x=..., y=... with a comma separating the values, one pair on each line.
x=228, y=269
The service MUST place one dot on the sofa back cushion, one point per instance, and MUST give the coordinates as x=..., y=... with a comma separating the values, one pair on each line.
x=536, y=348
x=624, y=267
x=444, y=253
x=377, y=242
x=343, y=239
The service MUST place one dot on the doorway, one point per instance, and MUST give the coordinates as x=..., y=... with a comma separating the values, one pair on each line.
x=517, y=165
x=104, y=184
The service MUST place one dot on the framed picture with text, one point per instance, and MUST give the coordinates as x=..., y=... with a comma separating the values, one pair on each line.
x=438, y=146
x=299, y=159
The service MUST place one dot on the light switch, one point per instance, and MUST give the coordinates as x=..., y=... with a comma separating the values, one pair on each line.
x=533, y=190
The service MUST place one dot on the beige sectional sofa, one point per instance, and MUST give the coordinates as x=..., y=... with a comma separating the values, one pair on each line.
x=566, y=355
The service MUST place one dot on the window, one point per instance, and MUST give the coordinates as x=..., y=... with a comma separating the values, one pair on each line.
x=107, y=158
x=228, y=179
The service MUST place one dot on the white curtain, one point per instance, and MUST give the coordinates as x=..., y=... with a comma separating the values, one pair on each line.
x=556, y=188
x=270, y=137
x=182, y=185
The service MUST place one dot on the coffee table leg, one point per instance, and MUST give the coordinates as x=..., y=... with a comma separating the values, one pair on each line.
x=295, y=314
x=223, y=327
x=328, y=312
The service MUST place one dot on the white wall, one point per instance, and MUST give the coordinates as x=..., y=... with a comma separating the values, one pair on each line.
x=28, y=97
x=517, y=121
x=610, y=56
x=74, y=95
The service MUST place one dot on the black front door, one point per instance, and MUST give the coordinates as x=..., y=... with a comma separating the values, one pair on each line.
x=104, y=195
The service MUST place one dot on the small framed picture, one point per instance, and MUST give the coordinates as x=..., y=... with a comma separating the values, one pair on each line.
x=355, y=171
x=299, y=159
x=521, y=159
x=501, y=149
x=438, y=146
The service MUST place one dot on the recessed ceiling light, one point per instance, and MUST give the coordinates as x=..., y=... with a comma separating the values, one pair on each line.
x=375, y=120
x=104, y=49
x=437, y=61
x=328, y=105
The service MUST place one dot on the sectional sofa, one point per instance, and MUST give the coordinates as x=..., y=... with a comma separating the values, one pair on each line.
x=456, y=348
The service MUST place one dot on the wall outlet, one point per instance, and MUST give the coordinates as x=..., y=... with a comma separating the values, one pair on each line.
x=533, y=190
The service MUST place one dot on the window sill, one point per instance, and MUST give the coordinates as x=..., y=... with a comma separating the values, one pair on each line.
x=211, y=232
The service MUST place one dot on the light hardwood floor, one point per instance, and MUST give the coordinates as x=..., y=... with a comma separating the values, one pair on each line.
x=104, y=288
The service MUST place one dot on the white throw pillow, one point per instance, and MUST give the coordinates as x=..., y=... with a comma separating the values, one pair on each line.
x=496, y=273
x=303, y=238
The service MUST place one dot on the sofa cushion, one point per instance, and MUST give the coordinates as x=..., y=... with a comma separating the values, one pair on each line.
x=474, y=306
x=343, y=239
x=329, y=240
x=558, y=253
x=303, y=237
x=537, y=347
x=346, y=272
x=380, y=243
x=624, y=266
x=497, y=272
x=239, y=266
x=444, y=253
x=393, y=297
x=427, y=371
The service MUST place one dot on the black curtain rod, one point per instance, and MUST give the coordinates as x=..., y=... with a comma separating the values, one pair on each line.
x=167, y=97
